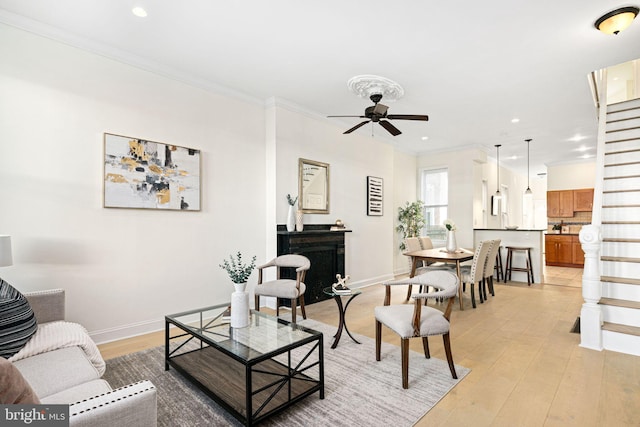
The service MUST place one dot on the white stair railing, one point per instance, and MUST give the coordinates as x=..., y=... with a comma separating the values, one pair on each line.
x=591, y=239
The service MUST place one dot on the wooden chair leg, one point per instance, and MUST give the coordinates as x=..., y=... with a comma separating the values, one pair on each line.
x=447, y=350
x=304, y=313
x=277, y=307
x=425, y=346
x=257, y=302
x=409, y=292
x=378, y=339
x=404, y=348
x=481, y=290
x=294, y=316
x=493, y=294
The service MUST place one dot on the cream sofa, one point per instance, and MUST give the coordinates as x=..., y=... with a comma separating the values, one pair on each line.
x=70, y=373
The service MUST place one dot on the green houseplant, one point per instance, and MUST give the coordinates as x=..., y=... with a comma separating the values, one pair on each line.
x=237, y=270
x=411, y=220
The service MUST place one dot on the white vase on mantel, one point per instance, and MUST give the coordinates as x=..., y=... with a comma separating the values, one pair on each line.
x=240, y=306
x=451, y=245
x=299, y=220
x=291, y=219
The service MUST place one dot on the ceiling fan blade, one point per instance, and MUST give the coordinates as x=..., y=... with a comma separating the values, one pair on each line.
x=356, y=126
x=362, y=117
x=389, y=127
x=423, y=118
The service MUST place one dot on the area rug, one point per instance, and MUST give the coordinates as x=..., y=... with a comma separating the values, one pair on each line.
x=358, y=390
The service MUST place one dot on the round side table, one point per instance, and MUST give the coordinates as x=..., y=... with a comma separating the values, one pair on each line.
x=341, y=311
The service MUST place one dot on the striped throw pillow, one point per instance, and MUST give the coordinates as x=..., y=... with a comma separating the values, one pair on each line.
x=17, y=321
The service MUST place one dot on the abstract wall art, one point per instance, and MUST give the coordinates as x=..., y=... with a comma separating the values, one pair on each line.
x=374, y=196
x=145, y=174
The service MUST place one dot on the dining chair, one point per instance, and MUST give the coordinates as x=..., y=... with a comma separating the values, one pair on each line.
x=417, y=320
x=489, y=267
x=292, y=289
x=415, y=244
x=475, y=274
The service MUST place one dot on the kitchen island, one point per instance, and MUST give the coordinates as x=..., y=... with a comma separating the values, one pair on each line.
x=521, y=237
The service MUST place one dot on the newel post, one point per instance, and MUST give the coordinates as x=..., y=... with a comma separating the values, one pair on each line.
x=591, y=314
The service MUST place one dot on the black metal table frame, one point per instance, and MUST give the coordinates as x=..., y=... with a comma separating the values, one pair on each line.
x=293, y=372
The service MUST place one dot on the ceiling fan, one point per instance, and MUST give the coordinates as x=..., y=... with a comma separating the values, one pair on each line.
x=378, y=112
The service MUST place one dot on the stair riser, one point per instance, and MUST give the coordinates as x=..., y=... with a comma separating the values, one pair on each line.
x=622, y=343
x=620, y=170
x=629, y=198
x=634, y=103
x=622, y=145
x=621, y=214
x=623, y=158
x=632, y=120
x=622, y=134
x=621, y=291
x=623, y=249
x=621, y=315
x=620, y=269
x=623, y=183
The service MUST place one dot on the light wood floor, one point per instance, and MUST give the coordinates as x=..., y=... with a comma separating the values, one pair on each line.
x=526, y=367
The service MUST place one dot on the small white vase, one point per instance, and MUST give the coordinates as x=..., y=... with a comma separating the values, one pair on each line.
x=451, y=242
x=299, y=220
x=240, y=306
x=291, y=219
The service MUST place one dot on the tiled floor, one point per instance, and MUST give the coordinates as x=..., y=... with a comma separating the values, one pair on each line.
x=563, y=276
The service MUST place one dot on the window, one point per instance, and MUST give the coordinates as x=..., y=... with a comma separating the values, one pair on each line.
x=434, y=189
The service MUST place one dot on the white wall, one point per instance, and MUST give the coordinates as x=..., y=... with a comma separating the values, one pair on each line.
x=462, y=187
x=405, y=190
x=571, y=176
x=351, y=158
x=122, y=269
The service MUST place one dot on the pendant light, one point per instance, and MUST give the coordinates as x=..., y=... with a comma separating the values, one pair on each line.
x=528, y=190
x=498, y=195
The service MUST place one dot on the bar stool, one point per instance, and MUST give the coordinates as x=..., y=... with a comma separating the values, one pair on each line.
x=529, y=265
x=498, y=267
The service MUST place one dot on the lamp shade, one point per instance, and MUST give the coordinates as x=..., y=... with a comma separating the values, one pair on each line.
x=616, y=20
x=5, y=251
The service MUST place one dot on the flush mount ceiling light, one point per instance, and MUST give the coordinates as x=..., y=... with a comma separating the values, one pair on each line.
x=498, y=195
x=368, y=84
x=139, y=12
x=616, y=20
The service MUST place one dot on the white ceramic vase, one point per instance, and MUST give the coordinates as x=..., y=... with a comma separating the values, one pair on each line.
x=299, y=220
x=291, y=219
x=240, y=306
x=451, y=242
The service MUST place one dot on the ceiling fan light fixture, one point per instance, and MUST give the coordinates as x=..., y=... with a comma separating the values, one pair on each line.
x=617, y=20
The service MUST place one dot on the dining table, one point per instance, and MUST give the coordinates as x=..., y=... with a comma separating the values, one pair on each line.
x=440, y=255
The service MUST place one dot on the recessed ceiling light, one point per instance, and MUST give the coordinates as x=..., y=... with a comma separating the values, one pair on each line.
x=513, y=157
x=577, y=138
x=583, y=148
x=139, y=12
x=424, y=138
x=586, y=156
x=515, y=120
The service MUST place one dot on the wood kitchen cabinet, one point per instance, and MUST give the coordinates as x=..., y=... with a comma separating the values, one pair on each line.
x=583, y=200
x=560, y=204
x=563, y=250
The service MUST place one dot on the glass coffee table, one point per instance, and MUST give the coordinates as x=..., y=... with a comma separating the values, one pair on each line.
x=252, y=372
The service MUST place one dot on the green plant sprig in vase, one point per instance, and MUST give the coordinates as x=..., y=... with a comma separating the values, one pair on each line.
x=237, y=270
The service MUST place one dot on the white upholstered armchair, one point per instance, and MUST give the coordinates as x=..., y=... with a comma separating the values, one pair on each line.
x=418, y=320
x=291, y=289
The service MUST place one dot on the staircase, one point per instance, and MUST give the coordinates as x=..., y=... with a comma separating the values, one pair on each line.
x=620, y=230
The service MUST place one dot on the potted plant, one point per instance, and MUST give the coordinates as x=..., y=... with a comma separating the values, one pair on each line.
x=237, y=270
x=411, y=220
x=239, y=273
